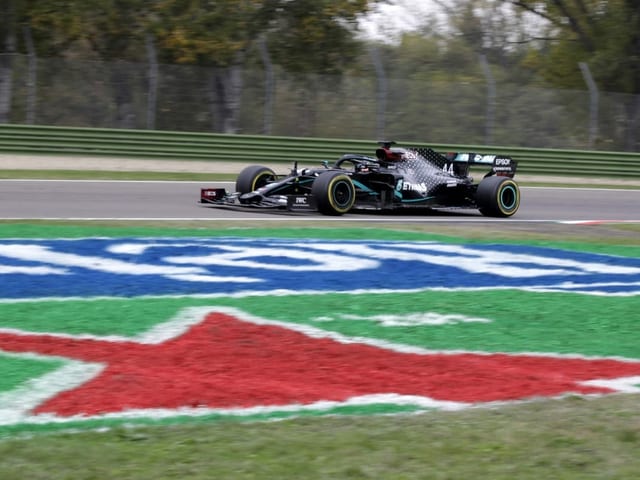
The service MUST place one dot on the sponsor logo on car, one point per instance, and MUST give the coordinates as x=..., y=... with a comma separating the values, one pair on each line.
x=415, y=187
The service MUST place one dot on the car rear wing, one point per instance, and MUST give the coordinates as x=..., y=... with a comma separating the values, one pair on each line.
x=500, y=164
x=458, y=163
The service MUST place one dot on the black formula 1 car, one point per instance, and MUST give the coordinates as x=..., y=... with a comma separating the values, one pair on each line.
x=396, y=178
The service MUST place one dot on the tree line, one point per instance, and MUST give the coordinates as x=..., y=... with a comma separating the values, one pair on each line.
x=523, y=47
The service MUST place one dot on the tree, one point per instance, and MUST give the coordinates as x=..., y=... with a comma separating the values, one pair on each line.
x=7, y=50
x=314, y=36
x=108, y=30
x=302, y=36
x=214, y=35
x=311, y=39
x=604, y=35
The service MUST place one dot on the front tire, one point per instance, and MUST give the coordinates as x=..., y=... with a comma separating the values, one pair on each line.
x=253, y=177
x=334, y=193
x=498, y=196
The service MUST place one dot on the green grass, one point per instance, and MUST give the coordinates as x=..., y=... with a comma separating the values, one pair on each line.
x=108, y=175
x=622, y=234
x=567, y=439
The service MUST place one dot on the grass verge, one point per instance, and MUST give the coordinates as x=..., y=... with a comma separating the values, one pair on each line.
x=622, y=234
x=109, y=175
x=574, y=438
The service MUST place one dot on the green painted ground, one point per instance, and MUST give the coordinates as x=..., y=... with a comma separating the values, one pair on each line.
x=517, y=321
x=570, y=439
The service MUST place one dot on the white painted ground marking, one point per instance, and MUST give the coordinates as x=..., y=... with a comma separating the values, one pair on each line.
x=41, y=253
x=407, y=320
x=16, y=405
x=14, y=269
x=248, y=257
x=474, y=260
x=266, y=217
x=622, y=385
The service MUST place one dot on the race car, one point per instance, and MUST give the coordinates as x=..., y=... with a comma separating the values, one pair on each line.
x=396, y=178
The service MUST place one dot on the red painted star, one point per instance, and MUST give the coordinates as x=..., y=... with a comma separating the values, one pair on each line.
x=225, y=362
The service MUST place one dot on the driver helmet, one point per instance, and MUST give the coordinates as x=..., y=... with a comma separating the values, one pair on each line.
x=387, y=153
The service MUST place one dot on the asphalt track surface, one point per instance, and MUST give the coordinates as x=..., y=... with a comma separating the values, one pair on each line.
x=127, y=200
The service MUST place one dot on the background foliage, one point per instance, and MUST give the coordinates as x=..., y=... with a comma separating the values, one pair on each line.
x=493, y=72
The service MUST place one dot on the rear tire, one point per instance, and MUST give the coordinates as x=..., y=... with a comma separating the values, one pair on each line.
x=253, y=177
x=498, y=197
x=334, y=193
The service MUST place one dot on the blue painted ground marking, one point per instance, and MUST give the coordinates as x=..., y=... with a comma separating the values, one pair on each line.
x=130, y=267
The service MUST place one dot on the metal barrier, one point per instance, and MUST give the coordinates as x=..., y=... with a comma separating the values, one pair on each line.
x=47, y=140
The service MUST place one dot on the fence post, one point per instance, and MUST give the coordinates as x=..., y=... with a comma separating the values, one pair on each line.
x=268, y=88
x=491, y=100
x=32, y=76
x=152, y=94
x=381, y=110
x=593, y=102
x=6, y=62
